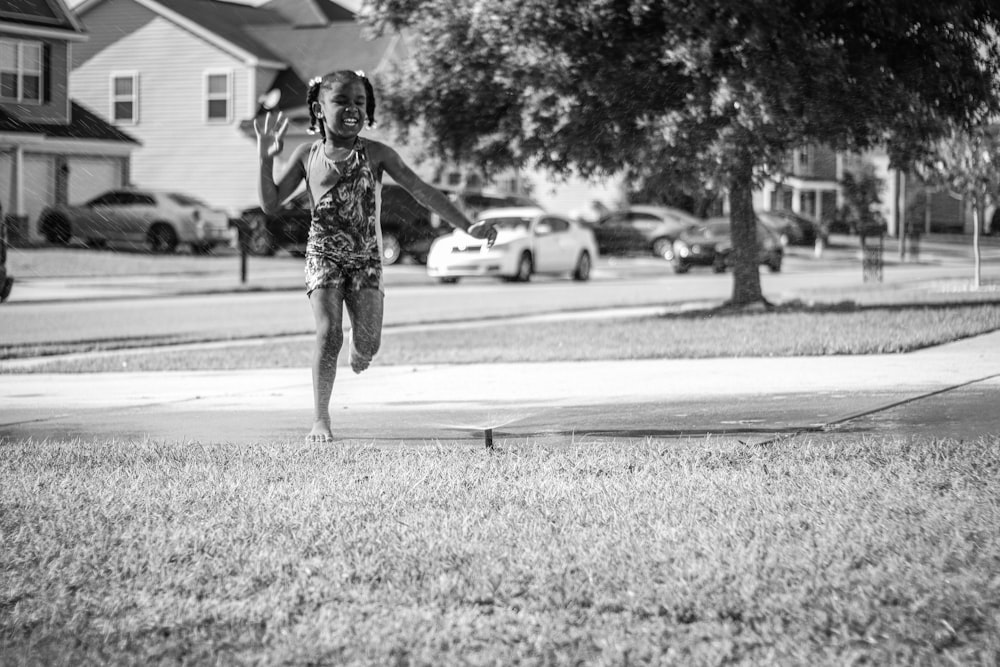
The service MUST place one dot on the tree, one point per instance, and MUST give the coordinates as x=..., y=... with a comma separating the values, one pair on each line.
x=967, y=162
x=714, y=91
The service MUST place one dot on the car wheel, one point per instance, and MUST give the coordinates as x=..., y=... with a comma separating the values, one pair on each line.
x=525, y=267
x=582, y=271
x=261, y=238
x=448, y=281
x=162, y=238
x=719, y=266
x=391, y=250
x=774, y=265
x=679, y=266
x=663, y=247
x=56, y=229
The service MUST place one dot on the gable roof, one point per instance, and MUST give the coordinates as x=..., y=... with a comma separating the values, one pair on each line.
x=41, y=15
x=84, y=124
x=302, y=13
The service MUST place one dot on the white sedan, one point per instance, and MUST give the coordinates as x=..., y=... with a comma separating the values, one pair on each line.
x=529, y=241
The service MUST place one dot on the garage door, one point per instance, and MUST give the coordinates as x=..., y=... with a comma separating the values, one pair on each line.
x=90, y=176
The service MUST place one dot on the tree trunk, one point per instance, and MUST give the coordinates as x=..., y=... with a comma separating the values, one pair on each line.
x=746, y=272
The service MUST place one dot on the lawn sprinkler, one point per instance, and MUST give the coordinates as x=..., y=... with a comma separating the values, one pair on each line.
x=488, y=433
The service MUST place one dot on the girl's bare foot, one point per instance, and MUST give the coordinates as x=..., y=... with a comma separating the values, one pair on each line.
x=320, y=433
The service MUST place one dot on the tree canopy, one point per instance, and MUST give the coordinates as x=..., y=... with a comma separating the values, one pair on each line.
x=708, y=91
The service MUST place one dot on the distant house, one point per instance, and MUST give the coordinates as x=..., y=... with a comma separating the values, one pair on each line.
x=812, y=186
x=53, y=149
x=187, y=77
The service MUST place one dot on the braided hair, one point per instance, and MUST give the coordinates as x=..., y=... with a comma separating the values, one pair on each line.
x=340, y=76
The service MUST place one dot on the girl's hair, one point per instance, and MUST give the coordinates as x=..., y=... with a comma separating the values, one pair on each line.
x=340, y=76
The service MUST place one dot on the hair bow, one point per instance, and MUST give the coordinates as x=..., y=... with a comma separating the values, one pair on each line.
x=361, y=73
x=315, y=81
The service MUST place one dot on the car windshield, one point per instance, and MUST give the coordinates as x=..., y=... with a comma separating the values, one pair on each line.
x=185, y=200
x=511, y=224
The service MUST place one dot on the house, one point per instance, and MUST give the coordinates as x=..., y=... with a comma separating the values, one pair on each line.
x=187, y=77
x=812, y=187
x=53, y=149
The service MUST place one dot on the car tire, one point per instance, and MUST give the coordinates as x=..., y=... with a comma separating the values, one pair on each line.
x=775, y=266
x=679, y=267
x=56, y=229
x=448, y=281
x=162, y=238
x=391, y=249
x=583, y=266
x=719, y=267
x=663, y=247
x=261, y=239
x=525, y=267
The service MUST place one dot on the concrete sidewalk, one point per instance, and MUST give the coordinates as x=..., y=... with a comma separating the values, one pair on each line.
x=950, y=391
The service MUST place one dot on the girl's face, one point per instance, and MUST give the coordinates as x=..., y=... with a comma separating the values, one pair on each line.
x=342, y=107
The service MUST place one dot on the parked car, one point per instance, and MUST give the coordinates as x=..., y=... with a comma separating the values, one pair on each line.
x=529, y=241
x=407, y=227
x=641, y=230
x=710, y=244
x=791, y=228
x=158, y=219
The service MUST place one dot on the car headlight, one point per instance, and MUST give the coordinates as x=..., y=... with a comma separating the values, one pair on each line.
x=681, y=248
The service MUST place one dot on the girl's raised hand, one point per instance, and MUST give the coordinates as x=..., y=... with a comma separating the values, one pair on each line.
x=270, y=138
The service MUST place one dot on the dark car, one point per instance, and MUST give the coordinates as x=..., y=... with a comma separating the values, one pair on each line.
x=641, y=230
x=408, y=229
x=710, y=244
x=791, y=228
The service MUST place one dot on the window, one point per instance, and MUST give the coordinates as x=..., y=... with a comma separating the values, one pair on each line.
x=125, y=97
x=218, y=91
x=21, y=71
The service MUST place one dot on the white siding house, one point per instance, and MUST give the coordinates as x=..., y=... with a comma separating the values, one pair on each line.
x=186, y=78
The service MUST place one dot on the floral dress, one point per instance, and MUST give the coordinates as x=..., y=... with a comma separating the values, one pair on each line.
x=343, y=248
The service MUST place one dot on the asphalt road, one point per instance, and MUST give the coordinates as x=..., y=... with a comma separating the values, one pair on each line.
x=198, y=307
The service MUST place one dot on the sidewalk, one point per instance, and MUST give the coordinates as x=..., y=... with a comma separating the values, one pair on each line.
x=949, y=391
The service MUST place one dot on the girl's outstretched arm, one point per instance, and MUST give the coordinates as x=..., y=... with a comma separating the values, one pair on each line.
x=427, y=195
x=270, y=142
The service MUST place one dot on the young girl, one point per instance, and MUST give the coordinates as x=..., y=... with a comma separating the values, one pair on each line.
x=343, y=175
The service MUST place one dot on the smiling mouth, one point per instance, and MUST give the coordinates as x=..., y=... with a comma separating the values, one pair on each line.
x=351, y=119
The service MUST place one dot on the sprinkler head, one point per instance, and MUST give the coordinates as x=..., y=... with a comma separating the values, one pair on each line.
x=489, y=438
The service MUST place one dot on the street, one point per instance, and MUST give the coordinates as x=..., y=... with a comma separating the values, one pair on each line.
x=194, y=306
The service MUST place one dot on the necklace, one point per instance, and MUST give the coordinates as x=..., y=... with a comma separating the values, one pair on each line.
x=339, y=154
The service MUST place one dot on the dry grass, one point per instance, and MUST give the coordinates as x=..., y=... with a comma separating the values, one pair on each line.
x=819, y=551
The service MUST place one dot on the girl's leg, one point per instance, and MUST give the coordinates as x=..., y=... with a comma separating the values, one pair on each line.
x=365, y=309
x=328, y=310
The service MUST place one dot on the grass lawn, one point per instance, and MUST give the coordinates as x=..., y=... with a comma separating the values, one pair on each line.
x=823, y=550
x=792, y=330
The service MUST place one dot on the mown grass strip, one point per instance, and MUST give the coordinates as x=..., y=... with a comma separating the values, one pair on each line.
x=787, y=331
x=826, y=550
